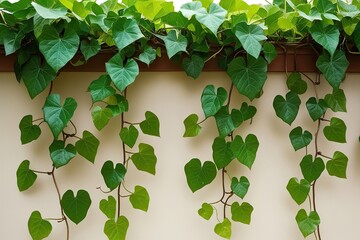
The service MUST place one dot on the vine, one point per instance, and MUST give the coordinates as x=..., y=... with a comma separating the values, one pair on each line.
x=46, y=35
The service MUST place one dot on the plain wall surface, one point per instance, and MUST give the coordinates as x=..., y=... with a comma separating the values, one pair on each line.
x=173, y=208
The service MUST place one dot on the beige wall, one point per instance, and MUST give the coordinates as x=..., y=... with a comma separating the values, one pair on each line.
x=173, y=208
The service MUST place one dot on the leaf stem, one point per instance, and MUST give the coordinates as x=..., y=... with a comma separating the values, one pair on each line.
x=215, y=54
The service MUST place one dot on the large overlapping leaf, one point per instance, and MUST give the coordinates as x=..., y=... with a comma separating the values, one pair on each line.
x=328, y=36
x=336, y=100
x=174, y=43
x=211, y=100
x=222, y=153
x=101, y=88
x=61, y=154
x=126, y=31
x=224, y=121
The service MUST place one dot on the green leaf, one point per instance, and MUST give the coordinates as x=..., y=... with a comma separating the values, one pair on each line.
x=174, y=43
x=212, y=19
x=245, y=151
x=122, y=75
x=89, y=48
x=129, y=135
x=108, y=207
x=250, y=37
x=192, y=128
x=240, y=187
x=61, y=155
x=100, y=88
x=270, y=52
x=12, y=41
x=113, y=176
x=116, y=230
x=316, y=108
x=58, y=50
x=175, y=19
x=206, y=211
x=296, y=84
x=193, y=65
x=153, y=9
x=241, y=213
x=29, y=132
x=148, y=55
x=101, y=117
x=198, y=176
x=298, y=191
x=38, y=227
x=37, y=76
x=327, y=37
x=246, y=112
x=233, y=5
x=333, y=68
x=87, y=146
x=145, y=159
x=212, y=101
x=222, y=153
x=307, y=224
x=76, y=207
x=140, y=199
x=336, y=100
x=311, y=170
x=151, y=124
x=25, y=177
x=336, y=132
x=349, y=25
x=287, y=109
x=300, y=139
x=223, y=229
x=119, y=106
x=337, y=165
x=224, y=121
x=48, y=10
x=125, y=32
x=249, y=77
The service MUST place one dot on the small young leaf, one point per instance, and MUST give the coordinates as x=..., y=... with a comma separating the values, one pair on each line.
x=113, y=176
x=76, y=207
x=296, y=84
x=29, y=132
x=129, y=135
x=151, y=124
x=61, y=155
x=192, y=128
x=287, y=109
x=148, y=55
x=245, y=151
x=270, y=52
x=206, y=211
x=119, y=106
x=336, y=100
x=101, y=117
x=108, y=207
x=174, y=43
x=116, y=230
x=224, y=121
x=87, y=146
x=100, y=88
x=298, y=191
x=89, y=48
x=240, y=187
x=241, y=213
x=212, y=101
x=223, y=229
x=145, y=159
x=125, y=31
x=337, y=165
x=246, y=112
x=300, y=139
x=307, y=224
x=38, y=227
x=198, y=176
x=310, y=169
x=140, y=198
x=25, y=176
x=316, y=108
x=222, y=153
x=193, y=65
x=336, y=132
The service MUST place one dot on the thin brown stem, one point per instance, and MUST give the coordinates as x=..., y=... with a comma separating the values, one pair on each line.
x=226, y=203
x=215, y=54
x=230, y=94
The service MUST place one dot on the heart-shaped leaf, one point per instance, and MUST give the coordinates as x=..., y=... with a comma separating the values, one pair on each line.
x=29, y=132
x=327, y=37
x=245, y=151
x=87, y=146
x=122, y=75
x=198, y=176
x=116, y=230
x=192, y=128
x=222, y=153
x=206, y=211
x=50, y=9
x=336, y=100
x=119, y=106
x=76, y=207
x=337, y=165
x=108, y=207
x=148, y=55
x=89, y=48
x=336, y=132
x=113, y=176
x=250, y=37
x=310, y=169
x=287, y=109
x=129, y=135
x=240, y=187
x=125, y=31
x=100, y=88
x=58, y=50
x=270, y=52
x=307, y=224
x=249, y=77
x=300, y=139
x=295, y=83
x=151, y=124
x=25, y=177
x=140, y=198
x=212, y=101
x=246, y=112
x=38, y=227
x=241, y=213
x=145, y=159
x=37, y=76
x=101, y=117
x=223, y=229
x=298, y=191
x=224, y=121
x=333, y=68
x=56, y=115
x=193, y=65
x=316, y=108
x=174, y=43
x=61, y=155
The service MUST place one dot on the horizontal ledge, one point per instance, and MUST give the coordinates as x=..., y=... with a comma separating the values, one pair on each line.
x=304, y=59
